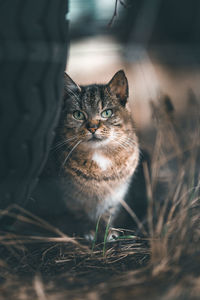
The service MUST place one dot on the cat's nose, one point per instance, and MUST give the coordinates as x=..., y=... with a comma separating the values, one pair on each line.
x=92, y=126
x=92, y=129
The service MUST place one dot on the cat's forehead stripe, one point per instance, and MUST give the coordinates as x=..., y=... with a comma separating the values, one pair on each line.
x=101, y=96
x=90, y=97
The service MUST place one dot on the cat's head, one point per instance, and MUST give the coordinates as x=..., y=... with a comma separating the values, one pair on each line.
x=96, y=114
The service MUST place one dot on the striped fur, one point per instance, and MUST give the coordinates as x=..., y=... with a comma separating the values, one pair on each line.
x=95, y=171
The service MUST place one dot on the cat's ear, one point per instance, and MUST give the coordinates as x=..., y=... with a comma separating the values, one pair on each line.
x=118, y=86
x=70, y=85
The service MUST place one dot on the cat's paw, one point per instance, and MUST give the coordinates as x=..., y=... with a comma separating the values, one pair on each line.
x=113, y=234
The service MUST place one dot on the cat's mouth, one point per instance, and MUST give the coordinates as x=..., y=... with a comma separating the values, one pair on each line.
x=94, y=138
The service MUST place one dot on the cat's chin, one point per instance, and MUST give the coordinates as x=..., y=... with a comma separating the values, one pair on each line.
x=95, y=139
x=95, y=142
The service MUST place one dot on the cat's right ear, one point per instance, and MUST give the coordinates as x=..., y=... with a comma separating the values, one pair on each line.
x=69, y=85
x=118, y=86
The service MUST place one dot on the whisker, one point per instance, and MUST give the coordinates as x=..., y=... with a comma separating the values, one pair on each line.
x=134, y=144
x=76, y=145
x=72, y=92
x=117, y=142
x=128, y=141
x=60, y=144
x=125, y=142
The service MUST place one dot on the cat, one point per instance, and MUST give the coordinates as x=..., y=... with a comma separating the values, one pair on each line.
x=95, y=151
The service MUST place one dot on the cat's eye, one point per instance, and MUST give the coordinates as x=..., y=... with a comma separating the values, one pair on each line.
x=78, y=115
x=107, y=113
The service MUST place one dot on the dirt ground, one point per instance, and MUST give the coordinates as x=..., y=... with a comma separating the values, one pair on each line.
x=156, y=257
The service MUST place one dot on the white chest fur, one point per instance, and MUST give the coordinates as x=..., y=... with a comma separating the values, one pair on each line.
x=112, y=200
x=102, y=161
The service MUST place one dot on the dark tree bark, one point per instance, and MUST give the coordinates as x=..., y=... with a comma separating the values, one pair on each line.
x=33, y=50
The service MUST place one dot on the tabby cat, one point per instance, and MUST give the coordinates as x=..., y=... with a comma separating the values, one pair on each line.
x=96, y=148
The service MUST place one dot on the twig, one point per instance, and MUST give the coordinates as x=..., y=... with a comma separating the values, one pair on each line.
x=133, y=215
x=114, y=14
x=115, y=11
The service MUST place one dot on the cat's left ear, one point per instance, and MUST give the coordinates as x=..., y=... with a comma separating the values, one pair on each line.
x=118, y=86
x=70, y=85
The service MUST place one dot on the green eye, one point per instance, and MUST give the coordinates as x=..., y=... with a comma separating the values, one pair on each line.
x=107, y=113
x=78, y=115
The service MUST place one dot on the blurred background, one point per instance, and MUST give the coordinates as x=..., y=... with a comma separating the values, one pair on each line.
x=156, y=42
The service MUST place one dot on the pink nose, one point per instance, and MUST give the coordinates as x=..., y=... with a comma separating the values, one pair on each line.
x=92, y=126
x=92, y=129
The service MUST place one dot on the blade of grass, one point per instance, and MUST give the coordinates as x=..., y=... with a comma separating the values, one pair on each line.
x=106, y=236
x=96, y=232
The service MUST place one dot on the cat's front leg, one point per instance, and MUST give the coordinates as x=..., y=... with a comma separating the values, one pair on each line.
x=106, y=223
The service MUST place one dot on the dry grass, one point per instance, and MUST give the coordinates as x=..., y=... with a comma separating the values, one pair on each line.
x=162, y=263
